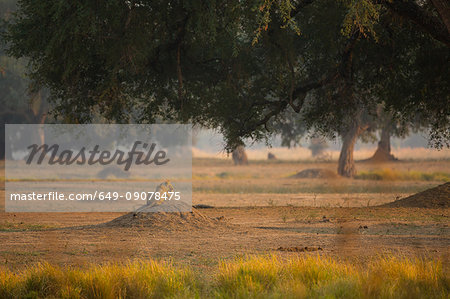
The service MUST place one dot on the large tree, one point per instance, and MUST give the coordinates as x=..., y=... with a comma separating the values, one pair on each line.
x=19, y=103
x=238, y=65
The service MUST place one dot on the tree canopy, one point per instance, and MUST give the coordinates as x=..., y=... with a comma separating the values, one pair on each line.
x=239, y=66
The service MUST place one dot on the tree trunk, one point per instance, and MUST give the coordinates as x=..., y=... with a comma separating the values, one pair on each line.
x=385, y=141
x=346, y=166
x=383, y=152
x=41, y=131
x=39, y=109
x=2, y=141
x=239, y=156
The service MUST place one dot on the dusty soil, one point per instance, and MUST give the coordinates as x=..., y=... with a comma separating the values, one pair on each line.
x=356, y=233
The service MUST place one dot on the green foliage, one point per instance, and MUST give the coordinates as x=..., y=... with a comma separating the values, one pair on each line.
x=284, y=8
x=362, y=15
x=199, y=61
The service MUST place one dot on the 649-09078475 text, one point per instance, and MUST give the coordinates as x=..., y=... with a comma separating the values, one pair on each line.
x=99, y=196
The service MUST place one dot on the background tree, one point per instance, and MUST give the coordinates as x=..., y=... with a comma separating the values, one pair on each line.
x=318, y=146
x=239, y=156
x=19, y=102
x=389, y=126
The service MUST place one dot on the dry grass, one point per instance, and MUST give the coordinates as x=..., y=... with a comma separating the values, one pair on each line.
x=315, y=277
x=304, y=154
x=387, y=174
x=300, y=186
x=250, y=277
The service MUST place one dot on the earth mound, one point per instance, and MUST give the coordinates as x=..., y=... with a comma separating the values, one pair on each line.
x=437, y=197
x=381, y=157
x=315, y=173
x=165, y=220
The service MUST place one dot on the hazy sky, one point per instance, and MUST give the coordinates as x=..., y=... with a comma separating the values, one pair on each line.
x=210, y=141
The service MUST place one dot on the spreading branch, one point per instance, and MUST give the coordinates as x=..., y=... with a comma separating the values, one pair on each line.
x=429, y=23
x=443, y=9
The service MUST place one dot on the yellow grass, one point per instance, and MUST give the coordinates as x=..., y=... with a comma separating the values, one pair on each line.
x=315, y=277
x=249, y=277
x=134, y=280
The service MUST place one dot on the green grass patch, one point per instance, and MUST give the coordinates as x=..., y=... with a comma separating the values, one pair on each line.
x=225, y=175
x=395, y=175
x=245, y=277
x=236, y=175
x=23, y=253
x=20, y=226
x=219, y=188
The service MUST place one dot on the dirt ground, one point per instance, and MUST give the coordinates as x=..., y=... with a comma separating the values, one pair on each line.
x=260, y=209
